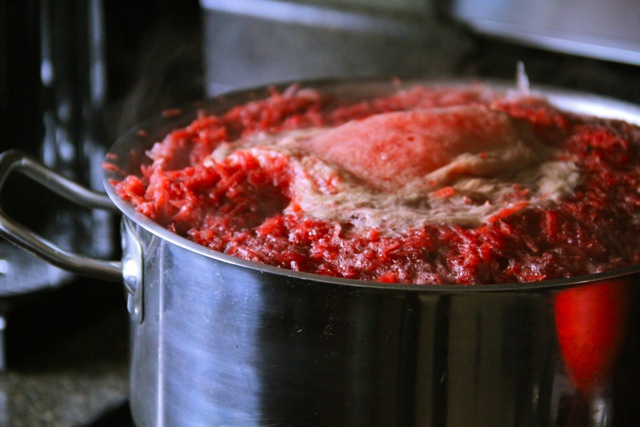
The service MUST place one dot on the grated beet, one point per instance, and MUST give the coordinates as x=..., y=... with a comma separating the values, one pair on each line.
x=245, y=208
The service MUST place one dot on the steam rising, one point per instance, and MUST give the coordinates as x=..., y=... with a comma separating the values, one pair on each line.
x=522, y=80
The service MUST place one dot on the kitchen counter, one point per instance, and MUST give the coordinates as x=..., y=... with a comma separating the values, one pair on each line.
x=76, y=380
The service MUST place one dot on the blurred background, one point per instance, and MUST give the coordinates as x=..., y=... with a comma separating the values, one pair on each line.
x=75, y=74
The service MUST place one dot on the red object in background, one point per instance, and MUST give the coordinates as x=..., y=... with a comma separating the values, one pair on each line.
x=590, y=322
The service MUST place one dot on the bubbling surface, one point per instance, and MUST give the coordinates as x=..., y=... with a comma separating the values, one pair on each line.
x=426, y=185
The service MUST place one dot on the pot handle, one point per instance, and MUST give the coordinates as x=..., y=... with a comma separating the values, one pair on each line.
x=23, y=237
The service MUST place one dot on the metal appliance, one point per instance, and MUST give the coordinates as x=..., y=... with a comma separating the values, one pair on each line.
x=69, y=78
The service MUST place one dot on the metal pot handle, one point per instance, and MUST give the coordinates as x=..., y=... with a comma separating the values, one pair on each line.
x=23, y=237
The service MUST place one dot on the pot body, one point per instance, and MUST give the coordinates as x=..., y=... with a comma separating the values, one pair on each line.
x=220, y=341
x=222, y=344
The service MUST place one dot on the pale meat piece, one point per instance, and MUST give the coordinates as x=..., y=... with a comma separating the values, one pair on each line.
x=390, y=150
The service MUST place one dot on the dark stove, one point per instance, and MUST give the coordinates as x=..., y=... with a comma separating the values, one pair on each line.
x=73, y=76
x=117, y=416
x=63, y=339
x=66, y=355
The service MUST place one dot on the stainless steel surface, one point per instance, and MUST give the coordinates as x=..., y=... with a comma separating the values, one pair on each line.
x=603, y=29
x=53, y=82
x=222, y=344
x=285, y=40
x=229, y=342
x=132, y=273
x=16, y=233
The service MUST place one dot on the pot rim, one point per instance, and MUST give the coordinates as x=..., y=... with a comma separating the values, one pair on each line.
x=142, y=136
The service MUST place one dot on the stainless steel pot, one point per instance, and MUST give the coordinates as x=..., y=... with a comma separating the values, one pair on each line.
x=219, y=341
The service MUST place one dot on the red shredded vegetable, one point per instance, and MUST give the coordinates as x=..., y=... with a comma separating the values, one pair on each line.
x=240, y=208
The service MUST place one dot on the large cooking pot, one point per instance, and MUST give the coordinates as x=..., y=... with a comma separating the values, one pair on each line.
x=220, y=341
